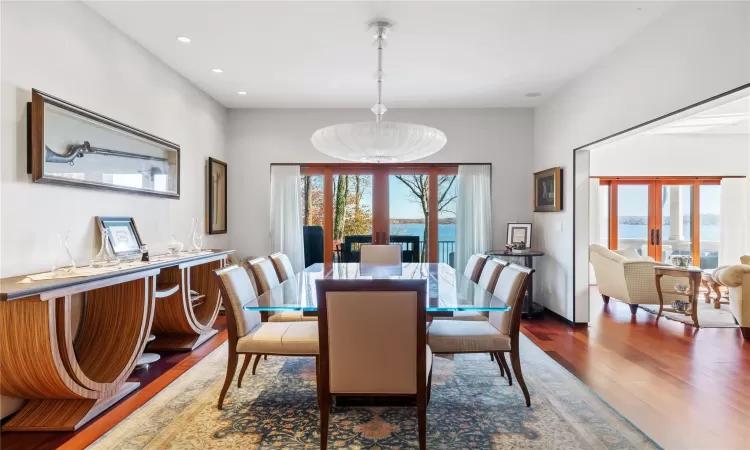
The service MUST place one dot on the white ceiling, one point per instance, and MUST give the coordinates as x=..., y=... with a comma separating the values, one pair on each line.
x=440, y=54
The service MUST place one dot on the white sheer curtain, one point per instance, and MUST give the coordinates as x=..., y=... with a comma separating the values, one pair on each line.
x=734, y=229
x=286, y=218
x=473, y=212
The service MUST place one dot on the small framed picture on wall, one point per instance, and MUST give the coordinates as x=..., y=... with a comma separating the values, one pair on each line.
x=548, y=190
x=217, y=197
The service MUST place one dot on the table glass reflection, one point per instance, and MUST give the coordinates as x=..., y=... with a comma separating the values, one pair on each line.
x=447, y=289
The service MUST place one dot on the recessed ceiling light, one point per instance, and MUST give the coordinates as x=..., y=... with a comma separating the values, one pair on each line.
x=217, y=70
x=184, y=39
x=534, y=94
x=242, y=93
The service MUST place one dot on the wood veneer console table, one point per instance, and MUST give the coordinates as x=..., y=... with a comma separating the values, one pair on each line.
x=73, y=365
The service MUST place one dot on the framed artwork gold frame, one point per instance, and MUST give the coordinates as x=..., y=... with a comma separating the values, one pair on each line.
x=548, y=190
x=216, y=215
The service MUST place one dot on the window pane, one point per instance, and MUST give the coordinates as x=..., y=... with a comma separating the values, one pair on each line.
x=352, y=215
x=677, y=221
x=409, y=210
x=710, y=211
x=447, y=197
x=632, y=215
x=311, y=205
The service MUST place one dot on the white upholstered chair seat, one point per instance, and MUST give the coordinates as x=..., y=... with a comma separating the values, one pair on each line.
x=288, y=338
x=462, y=336
x=465, y=315
x=291, y=316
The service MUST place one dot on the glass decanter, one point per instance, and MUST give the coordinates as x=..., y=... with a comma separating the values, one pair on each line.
x=106, y=256
x=196, y=239
x=64, y=262
x=174, y=246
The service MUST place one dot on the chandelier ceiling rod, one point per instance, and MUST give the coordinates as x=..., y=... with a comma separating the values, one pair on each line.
x=381, y=28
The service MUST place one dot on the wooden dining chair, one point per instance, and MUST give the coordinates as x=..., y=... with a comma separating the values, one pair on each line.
x=267, y=276
x=283, y=266
x=380, y=255
x=497, y=336
x=474, y=267
x=490, y=273
x=249, y=336
x=373, y=342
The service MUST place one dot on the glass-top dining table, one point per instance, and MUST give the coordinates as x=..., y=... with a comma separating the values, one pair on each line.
x=448, y=290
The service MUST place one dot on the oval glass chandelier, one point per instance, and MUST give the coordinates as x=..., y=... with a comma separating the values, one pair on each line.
x=378, y=141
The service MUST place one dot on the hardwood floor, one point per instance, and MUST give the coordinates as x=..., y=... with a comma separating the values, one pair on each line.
x=684, y=388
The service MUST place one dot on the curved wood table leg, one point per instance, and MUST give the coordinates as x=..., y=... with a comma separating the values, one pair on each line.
x=182, y=322
x=70, y=378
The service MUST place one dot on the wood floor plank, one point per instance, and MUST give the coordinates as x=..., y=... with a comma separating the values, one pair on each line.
x=686, y=388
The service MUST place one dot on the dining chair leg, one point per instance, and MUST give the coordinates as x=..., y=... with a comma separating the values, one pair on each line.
x=492, y=356
x=429, y=386
x=422, y=419
x=507, y=369
x=325, y=412
x=317, y=380
x=265, y=357
x=255, y=364
x=516, y=361
x=499, y=364
x=245, y=363
x=231, y=368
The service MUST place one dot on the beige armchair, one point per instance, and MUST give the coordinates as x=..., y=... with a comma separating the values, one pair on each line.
x=248, y=335
x=373, y=341
x=737, y=279
x=629, y=279
x=497, y=336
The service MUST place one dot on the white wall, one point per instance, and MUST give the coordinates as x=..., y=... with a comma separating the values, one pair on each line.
x=673, y=155
x=693, y=52
x=67, y=50
x=257, y=138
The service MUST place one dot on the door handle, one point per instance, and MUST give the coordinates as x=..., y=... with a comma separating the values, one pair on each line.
x=652, y=236
x=658, y=237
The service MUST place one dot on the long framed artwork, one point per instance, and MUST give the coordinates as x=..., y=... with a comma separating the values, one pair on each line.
x=217, y=197
x=73, y=146
x=548, y=190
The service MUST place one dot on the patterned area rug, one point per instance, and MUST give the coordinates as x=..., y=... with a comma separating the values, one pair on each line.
x=472, y=407
x=708, y=316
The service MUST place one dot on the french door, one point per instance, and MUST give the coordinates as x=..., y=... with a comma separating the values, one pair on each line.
x=661, y=217
x=379, y=203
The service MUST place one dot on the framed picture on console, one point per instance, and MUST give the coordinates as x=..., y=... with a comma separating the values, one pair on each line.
x=216, y=216
x=123, y=234
x=519, y=233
